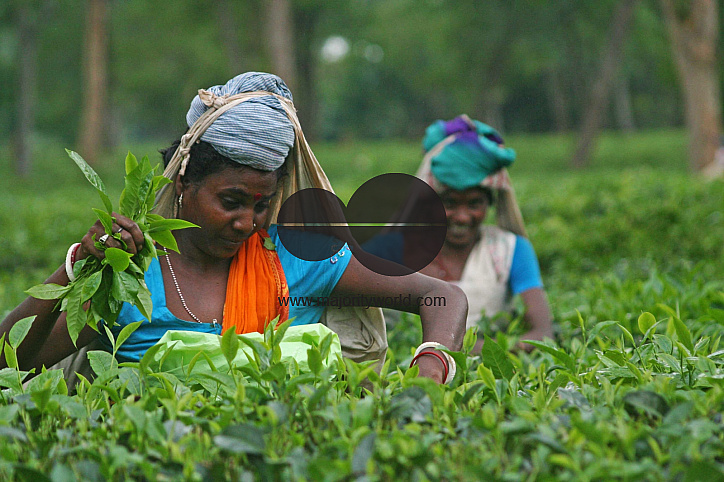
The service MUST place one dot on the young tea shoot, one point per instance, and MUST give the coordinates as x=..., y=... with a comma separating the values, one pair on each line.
x=119, y=277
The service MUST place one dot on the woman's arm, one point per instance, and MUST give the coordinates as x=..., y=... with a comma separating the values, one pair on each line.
x=525, y=279
x=48, y=341
x=46, y=317
x=442, y=322
x=537, y=315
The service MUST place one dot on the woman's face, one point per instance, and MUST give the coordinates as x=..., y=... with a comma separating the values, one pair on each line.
x=227, y=205
x=465, y=212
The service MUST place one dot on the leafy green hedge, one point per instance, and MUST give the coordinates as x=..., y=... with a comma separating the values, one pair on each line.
x=604, y=403
x=632, y=387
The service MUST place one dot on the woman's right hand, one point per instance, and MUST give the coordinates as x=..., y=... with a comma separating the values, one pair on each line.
x=130, y=234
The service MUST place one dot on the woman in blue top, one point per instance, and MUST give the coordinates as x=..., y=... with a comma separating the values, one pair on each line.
x=465, y=163
x=239, y=160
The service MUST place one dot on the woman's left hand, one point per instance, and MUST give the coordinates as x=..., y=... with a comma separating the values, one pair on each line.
x=537, y=316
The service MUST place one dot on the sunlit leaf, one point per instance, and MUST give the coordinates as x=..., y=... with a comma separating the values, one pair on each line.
x=646, y=321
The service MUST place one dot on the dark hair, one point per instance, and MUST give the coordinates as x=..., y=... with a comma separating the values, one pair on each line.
x=205, y=160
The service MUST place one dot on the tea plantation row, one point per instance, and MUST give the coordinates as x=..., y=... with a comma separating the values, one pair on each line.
x=632, y=388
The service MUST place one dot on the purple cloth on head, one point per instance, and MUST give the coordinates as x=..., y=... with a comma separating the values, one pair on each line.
x=458, y=124
x=476, y=152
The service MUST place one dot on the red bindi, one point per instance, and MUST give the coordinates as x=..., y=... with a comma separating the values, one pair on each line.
x=257, y=196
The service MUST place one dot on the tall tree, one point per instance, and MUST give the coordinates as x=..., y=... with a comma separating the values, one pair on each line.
x=596, y=108
x=228, y=28
x=280, y=31
x=94, y=124
x=27, y=16
x=694, y=32
x=558, y=100
x=622, y=105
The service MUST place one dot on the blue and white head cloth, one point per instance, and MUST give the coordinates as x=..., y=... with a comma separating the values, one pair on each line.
x=251, y=120
x=256, y=133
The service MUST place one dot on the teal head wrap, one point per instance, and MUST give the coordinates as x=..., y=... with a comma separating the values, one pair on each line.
x=464, y=152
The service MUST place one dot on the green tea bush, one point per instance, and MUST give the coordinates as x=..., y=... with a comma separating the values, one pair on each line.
x=632, y=387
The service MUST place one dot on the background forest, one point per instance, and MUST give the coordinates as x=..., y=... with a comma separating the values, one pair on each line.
x=101, y=73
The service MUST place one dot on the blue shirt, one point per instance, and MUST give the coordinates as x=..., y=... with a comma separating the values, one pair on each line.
x=524, y=269
x=315, y=279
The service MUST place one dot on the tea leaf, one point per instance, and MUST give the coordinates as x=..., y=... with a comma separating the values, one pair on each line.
x=627, y=334
x=41, y=397
x=88, y=171
x=470, y=338
x=148, y=357
x=165, y=239
x=48, y=291
x=106, y=201
x=496, y=359
x=269, y=244
x=10, y=358
x=229, y=345
x=683, y=333
x=118, y=259
x=91, y=285
x=166, y=224
x=129, y=200
x=19, y=331
x=143, y=301
x=131, y=162
x=560, y=355
x=281, y=330
x=363, y=453
x=106, y=220
x=646, y=321
x=314, y=359
x=126, y=332
x=159, y=182
x=125, y=287
x=75, y=318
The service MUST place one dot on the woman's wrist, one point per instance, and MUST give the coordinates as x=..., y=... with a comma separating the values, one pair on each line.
x=70, y=258
x=433, y=349
x=431, y=367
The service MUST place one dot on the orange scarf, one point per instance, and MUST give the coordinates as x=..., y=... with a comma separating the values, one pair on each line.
x=256, y=282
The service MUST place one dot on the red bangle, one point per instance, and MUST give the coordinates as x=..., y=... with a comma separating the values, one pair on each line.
x=438, y=356
x=72, y=255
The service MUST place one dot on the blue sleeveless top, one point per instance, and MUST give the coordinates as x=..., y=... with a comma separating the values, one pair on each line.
x=306, y=279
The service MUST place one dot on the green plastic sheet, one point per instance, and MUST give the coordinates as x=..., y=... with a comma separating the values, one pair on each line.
x=179, y=348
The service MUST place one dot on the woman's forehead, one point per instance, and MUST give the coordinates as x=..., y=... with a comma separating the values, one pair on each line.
x=465, y=195
x=243, y=178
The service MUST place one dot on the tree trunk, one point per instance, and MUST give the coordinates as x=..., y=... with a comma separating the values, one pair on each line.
x=228, y=26
x=280, y=32
x=694, y=42
x=28, y=50
x=558, y=101
x=622, y=105
x=593, y=115
x=306, y=18
x=94, y=118
x=489, y=95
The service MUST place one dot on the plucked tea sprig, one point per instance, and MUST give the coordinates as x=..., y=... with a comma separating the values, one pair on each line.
x=119, y=277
